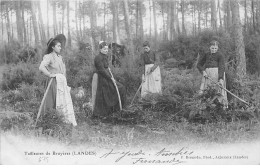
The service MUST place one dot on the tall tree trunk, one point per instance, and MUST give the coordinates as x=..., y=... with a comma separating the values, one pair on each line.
x=29, y=30
x=76, y=20
x=35, y=25
x=136, y=19
x=213, y=15
x=141, y=20
x=193, y=21
x=48, y=28
x=199, y=15
x=169, y=20
x=19, y=22
x=68, y=22
x=43, y=36
x=80, y=20
x=129, y=36
x=219, y=14
x=258, y=16
x=150, y=9
x=229, y=20
x=2, y=23
x=253, y=14
x=177, y=19
x=35, y=28
x=115, y=20
x=164, y=30
x=63, y=17
x=238, y=38
x=23, y=24
x=183, y=19
x=155, y=25
x=118, y=6
x=245, y=15
x=84, y=23
x=55, y=29
x=93, y=23
x=104, y=32
x=8, y=27
x=206, y=18
x=12, y=27
x=174, y=20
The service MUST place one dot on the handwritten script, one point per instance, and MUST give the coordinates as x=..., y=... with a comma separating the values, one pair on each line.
x=163, y=156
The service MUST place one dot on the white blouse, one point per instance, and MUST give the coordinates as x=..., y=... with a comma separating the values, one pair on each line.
x=54, y=63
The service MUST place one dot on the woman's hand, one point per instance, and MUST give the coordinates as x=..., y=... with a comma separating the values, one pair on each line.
x=221, y=82
x=150, y=70
x=143, y=78
x=52, y=75
x=205, y=74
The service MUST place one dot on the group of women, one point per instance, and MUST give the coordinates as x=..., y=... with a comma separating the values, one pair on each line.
x=109, y=95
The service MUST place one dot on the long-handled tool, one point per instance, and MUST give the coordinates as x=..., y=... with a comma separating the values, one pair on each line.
x=44, y=97
x=137, y=92
x=119, y=98
x=227, y=91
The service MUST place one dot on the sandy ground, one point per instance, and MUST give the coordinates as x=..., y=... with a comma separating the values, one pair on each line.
x=18, y=149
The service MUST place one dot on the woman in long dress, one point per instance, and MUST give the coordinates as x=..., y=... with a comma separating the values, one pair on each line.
x=212, y=65
x=57, y=94
x=152, y=74
x=104, y=94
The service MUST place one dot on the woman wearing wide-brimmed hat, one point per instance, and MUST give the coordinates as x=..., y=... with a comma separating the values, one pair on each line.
x=212, y=66
x=105, y=97
x=57, y=94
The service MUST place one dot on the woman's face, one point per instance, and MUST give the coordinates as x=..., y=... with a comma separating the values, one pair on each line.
x=146, y=49
x=57, y=48
x=104, y=50
x=213, y=49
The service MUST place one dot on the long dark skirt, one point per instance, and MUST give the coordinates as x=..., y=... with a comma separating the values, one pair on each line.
x=50, y=100
x=105, y=99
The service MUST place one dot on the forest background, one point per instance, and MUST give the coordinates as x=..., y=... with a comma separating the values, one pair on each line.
x=179, y=31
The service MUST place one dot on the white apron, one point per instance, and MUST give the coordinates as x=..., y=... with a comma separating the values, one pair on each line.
x=94, y=89
x=152, y=82
x=213, y=74
x=63, y=100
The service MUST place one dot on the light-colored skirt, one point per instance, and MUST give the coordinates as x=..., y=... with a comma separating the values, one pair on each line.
x=213, y=74
x=152, y=82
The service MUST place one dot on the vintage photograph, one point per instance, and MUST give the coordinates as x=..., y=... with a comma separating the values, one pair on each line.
x=130, y=82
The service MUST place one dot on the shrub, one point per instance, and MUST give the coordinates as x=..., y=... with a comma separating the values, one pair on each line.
x=25, y=98
x=14, y=75
x=15, y=120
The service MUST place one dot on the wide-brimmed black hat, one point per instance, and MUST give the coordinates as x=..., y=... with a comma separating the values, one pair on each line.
x=60, y=37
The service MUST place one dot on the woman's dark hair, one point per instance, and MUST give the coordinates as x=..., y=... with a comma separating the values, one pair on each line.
x=103, y=44
x=214, y=42
x=146, y=44
x=52, y=44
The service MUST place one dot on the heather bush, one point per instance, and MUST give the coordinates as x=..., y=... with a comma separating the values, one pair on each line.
x=14, y=75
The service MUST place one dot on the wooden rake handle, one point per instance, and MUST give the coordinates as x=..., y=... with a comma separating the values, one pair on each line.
x=228, y=91
x=117, y=91
x=42, y=102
